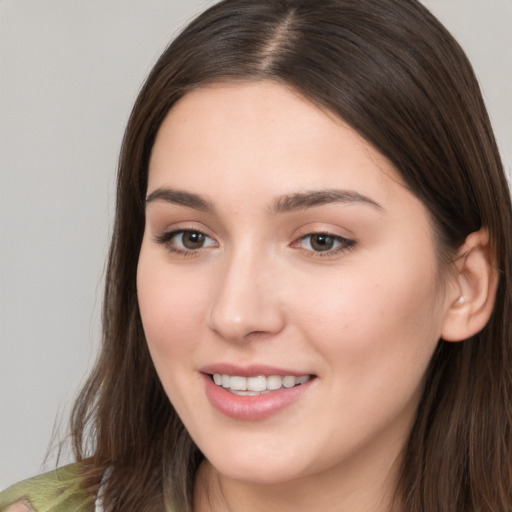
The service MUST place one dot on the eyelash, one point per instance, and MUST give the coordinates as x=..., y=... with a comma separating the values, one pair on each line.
x=166, y=239
x=344, y=244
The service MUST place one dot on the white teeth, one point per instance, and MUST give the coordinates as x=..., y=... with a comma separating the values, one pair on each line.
x=238, y=383
x=252, y=386
x=303, y=379
x=289, y=381
x=274, y=382
x=257, y=383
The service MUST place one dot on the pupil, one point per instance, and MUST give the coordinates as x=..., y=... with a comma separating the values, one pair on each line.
x=193, y=240
x=322, y=242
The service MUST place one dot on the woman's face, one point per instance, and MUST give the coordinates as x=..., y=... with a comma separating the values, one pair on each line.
x=280, y=250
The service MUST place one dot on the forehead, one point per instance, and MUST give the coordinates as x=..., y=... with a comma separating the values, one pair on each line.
x=231, y=131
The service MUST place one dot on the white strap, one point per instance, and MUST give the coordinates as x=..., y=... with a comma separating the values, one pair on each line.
x=98, y=503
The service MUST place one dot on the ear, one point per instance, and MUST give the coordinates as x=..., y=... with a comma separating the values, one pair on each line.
x=472, y=296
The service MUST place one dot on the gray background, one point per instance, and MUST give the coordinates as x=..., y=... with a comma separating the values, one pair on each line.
x=69, y=73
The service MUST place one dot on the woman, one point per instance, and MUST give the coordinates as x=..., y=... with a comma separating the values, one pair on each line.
x=308, y=300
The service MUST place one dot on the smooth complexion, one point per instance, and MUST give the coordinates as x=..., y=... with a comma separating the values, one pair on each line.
x=236, y=274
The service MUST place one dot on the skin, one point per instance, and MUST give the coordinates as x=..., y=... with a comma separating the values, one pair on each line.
x=20, y=506
x=364, y=320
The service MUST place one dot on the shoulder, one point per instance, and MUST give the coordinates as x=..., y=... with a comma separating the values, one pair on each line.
x=57, y=491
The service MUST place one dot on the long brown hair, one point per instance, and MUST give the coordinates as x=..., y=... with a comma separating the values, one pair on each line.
x=390, y=70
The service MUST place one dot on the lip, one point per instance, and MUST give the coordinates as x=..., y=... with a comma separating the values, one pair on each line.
x=252, y=408
x=252, y=370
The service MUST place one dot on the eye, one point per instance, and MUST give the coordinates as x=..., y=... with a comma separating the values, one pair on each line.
x=192, y=240
x=324, y=243
x=185, y=240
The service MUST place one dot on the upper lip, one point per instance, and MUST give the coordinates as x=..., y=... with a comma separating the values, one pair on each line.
x=252, y=370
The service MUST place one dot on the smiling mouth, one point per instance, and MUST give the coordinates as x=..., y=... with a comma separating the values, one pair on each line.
x=259, y=385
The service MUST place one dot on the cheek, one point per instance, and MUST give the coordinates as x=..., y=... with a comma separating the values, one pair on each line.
x=375, y=322
x=170, y=307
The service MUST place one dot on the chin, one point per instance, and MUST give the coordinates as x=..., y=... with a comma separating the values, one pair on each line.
x=256, y=474
x=257, y=466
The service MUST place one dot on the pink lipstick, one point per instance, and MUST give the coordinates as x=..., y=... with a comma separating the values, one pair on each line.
x=253, y=393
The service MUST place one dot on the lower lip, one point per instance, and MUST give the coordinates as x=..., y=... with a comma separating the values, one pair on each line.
x=252, y=408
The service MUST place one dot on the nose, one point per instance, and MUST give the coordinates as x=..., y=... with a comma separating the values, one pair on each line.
x=246, y=299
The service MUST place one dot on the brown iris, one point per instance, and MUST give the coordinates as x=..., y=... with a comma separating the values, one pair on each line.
x=321, y=242
x=192, y=239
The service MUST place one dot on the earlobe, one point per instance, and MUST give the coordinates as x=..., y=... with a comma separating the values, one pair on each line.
x=476, y=280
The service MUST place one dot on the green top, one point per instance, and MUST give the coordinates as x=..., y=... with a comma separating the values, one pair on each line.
x=57, y=491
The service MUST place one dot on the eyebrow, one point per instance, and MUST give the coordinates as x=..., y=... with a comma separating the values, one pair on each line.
x=180, y=197
x=283, y=204
x=304, y=200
